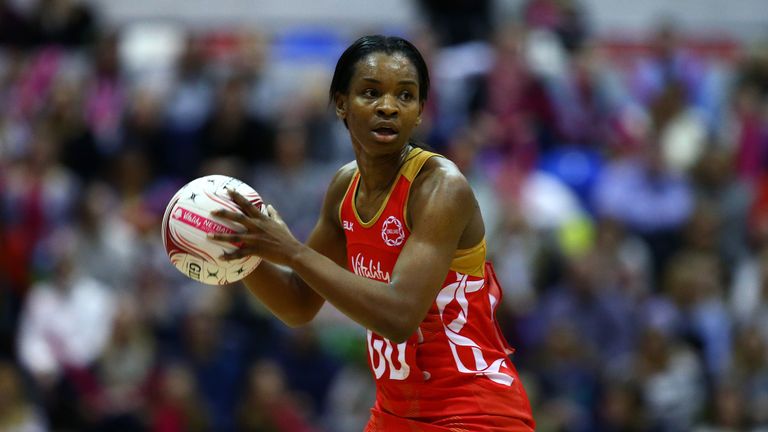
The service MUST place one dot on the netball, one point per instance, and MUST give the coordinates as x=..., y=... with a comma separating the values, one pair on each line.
x=188, y=220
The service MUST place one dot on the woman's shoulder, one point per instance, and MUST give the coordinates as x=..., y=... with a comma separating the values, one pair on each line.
x=441, y=171
x=441, y=196
x=347, y=170
x=341, y=180
x=440, y=184
x=344, y=174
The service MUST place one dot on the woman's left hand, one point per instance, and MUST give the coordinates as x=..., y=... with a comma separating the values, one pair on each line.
x=266, y=235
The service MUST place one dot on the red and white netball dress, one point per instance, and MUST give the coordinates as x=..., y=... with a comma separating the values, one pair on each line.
x=453, y=373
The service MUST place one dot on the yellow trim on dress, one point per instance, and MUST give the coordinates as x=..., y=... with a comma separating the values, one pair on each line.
x=375, y=217
x=470, y=261
x=344, y=197
x=414, y=157
x=410, y=173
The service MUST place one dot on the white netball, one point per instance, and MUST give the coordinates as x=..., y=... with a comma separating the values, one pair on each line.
x=188, y=220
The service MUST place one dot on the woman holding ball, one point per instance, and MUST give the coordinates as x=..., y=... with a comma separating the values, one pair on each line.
x=400, y=248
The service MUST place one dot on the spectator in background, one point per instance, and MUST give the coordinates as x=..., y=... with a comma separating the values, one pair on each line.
x=568, y=381
x=143, y=130
x=11, y=290
x=268, y=403
x=105, y=96
x=678, y=127
x=39, y=193
x=230, y=131
x=308, y=368
x=251, y=65
x=587, y=95
x=624, y=258
x=464, y=151
x=459, y=21
x=669, y=62
x=131, y=181
x=425, y=39
x=459, y=88
x=79, y=151
x=70, y=23
x=164, y=298
x=106, y=247
x=726, y=412
x=565, y=18
x=620, y=407
x=124, y=376
x=521, y=118
x=753, y=70
x=670, y=377
x=216, y=355
x=700, y=233
x=727, y=198
x=29, y=82
x=750, y=130
x=693, y=282
x=189, y=105
x=15, y=29
x=751, y=373
x=64, y=327
x=292, y=182
x=758, y=216
x=660, y=202
x=541, y=222
x=350, y=393
x=749, y=292
x=178, y=405
x=325, y=145
x=13, y=130
x=17, y=413
x=598, y=311
x=516, y=258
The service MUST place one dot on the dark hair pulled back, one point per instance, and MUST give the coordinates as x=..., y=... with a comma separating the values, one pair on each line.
x=370, y=44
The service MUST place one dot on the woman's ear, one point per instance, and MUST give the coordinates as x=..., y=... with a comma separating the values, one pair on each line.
x=341, y=106
x=421, y=111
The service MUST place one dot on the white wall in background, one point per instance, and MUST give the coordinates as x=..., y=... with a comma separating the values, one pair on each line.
x=350, y=15
x=747, y=18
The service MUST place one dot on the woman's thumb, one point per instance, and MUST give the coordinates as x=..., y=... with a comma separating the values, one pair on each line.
x=273, y=213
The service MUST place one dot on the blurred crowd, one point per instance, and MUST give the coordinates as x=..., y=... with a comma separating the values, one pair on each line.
x=622, y=182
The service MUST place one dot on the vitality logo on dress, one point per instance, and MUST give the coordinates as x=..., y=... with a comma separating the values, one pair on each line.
x=392, y=231
x=369, y=269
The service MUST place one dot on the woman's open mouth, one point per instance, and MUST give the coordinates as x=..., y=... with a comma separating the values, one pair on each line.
x=385, y=134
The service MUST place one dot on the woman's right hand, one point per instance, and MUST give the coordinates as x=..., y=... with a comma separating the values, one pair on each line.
x=266, y=235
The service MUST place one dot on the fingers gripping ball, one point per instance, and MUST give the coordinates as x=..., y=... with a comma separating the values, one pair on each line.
x=188, y=220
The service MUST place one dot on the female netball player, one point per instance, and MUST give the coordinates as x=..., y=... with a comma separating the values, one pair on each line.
x=399, y=247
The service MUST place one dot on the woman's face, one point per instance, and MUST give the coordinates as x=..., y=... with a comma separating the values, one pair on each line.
x=382, y=106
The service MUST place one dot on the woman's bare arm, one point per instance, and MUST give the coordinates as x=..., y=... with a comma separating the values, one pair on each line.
x=441, y=208
x=278, y=287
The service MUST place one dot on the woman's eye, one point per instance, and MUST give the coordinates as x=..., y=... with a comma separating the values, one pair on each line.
x=406, y=96
x=370, y=93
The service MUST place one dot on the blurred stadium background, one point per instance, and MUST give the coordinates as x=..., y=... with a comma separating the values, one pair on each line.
x=618, y=151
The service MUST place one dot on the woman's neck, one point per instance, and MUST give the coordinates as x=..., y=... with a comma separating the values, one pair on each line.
x=378, y=172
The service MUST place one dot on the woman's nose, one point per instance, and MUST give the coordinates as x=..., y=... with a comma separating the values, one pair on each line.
x=387, y=107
